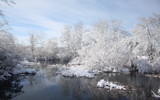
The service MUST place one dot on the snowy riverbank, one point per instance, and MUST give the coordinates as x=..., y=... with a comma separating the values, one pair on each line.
x=23, y=67
x=110, y=85
x=77, y=71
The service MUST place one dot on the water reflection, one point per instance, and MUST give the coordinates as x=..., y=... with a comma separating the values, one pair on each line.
x=10, y=88
x=47, y=85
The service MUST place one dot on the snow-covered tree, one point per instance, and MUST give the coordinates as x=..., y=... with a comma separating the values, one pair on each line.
x=67, y=37
x=147, y=32
x=7, y=40
x=35, y=39
x=51, y=49
x=79, y=31
x=72, y=37
x=117, y=31
x=104, y=47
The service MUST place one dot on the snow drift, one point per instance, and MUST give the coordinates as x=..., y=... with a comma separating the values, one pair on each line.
x=110, y=85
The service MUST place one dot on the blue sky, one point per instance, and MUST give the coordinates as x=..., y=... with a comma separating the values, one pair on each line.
x=49, y=16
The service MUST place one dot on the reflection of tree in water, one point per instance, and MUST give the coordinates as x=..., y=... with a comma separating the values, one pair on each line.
x=71, y=87
x=10, y=88
x=83, y=88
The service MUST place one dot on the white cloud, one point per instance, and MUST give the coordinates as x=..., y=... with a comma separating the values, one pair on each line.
x=51, y=15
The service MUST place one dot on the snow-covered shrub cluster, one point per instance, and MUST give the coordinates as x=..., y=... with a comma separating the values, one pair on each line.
x=7, y=54
x=7, y=63
x=108, y=47
x=10, y=57
x=25, y=67
x=77, y=71
x=155, y=95
x=43, y=49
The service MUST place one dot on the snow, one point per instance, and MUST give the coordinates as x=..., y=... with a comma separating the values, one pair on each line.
x=159, y=91
x=77, y=71
x=110, y=85
x=101, y=83
x=125, y=70
x=25, y=71
x=156, y=65
x=155, y=95
x=143, y=66
x=142, y=57
x=4, y=75
x=28, y=63
x=25, y=67
x=2, y=78
x=118, y=56
x=111, y=69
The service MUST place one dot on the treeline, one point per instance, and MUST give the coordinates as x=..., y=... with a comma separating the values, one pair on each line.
x=104, y=45
x=107, y=46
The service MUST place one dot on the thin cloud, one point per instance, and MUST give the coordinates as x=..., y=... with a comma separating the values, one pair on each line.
x=52, y=15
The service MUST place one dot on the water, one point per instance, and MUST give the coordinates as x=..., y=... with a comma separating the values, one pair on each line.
x=47, y=85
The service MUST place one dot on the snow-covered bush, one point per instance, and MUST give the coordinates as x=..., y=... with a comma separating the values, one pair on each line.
x=147, y=33
x=98, y=51
x=77, y=71
x=64, y=55
x=7, y=63
x=7, y=40
x=156, y=65
x=143, y=66
x=24, y=68
x=108, y=47
x=6, y=60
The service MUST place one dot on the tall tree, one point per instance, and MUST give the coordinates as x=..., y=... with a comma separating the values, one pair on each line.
x=72, y=37
x=35, y=39
x=147, y=31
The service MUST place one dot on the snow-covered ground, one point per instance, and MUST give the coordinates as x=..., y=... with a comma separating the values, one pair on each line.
x=110, y=85
x=156, y=95
x=159, y=91
x=23, y=70
x=77, y=71
x=25, y=67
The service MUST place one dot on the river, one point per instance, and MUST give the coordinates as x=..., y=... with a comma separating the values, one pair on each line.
x=48, y=85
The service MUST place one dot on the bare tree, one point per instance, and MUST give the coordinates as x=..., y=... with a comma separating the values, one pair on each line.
x=8, y=2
